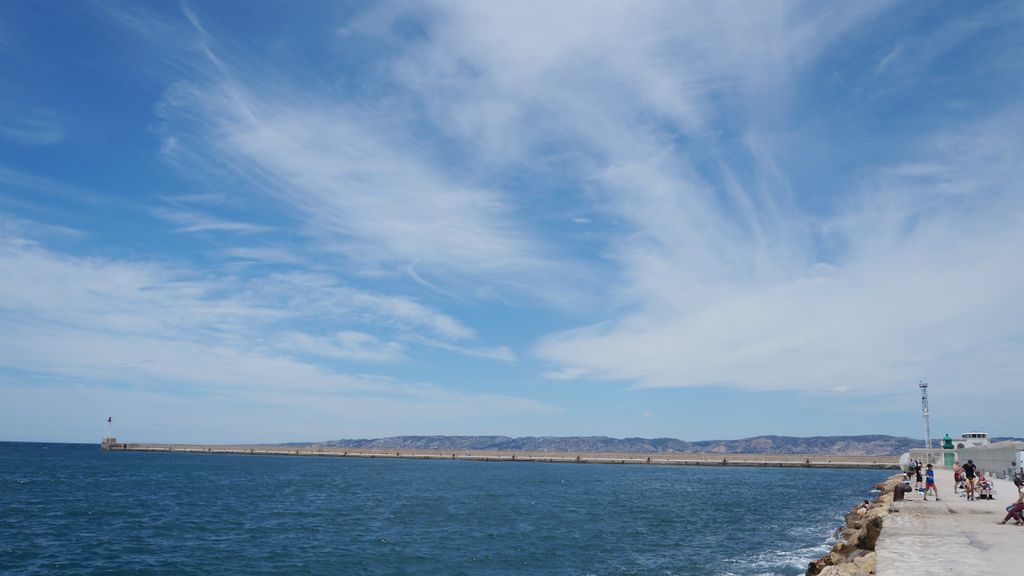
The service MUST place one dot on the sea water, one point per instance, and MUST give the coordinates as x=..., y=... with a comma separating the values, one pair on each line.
x=72, y=509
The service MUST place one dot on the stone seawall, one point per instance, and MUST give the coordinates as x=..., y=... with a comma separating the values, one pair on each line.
x=700, y=459
x=854, y=554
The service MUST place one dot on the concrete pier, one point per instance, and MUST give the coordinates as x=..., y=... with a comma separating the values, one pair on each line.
x=763, y=460
x=951, y=536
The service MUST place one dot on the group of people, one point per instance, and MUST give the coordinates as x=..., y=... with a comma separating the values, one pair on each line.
x=914, y=470
x=969, y=481
x=968, y=476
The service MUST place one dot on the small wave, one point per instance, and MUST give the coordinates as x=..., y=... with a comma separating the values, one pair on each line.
x=795, y=559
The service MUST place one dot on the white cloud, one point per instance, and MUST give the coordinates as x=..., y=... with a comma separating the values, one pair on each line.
x=927, y=284
x=501, y=353
x=346, y=345
x=365, y=181
x=158, y=330
x=46, y=188
x=13, y=227
x=721, y=280
x=266, y=255
x=149, y=302
x=195, y=198
x=199, y=222
x=378, y=201
x=664, y=120
x=320, y=295
x=602, y=77
x=38, y=127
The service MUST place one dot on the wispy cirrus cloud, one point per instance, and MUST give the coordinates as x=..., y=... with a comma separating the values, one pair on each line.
x=926, y=280
x=500, y=353
x=378, y=202
x=190, y=221
x=164, y=329
x=37, y=127
x=360, y=177
x=724, y=273
x=679, y=130
x=163, y=302
x=268, y=255
x=345, y=345
x=321, y=295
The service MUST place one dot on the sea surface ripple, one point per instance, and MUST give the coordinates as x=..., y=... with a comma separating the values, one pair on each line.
x=72, y=509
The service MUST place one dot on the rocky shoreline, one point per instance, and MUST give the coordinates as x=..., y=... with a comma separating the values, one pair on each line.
x=854, y=554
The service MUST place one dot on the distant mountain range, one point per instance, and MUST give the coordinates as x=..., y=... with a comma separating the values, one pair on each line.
x=840, y=445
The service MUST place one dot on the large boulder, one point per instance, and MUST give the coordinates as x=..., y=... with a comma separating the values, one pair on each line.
x=836, y=559
x=853, y=518
x=852, y=557
x=868, y=535
x=817, y=566
x=865, y=562
x=876, y=512
x=844, y=549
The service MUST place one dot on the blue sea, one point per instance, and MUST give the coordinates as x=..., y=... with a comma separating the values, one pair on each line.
x=72, y=509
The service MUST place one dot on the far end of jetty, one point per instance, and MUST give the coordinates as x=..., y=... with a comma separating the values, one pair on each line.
x=660, y=458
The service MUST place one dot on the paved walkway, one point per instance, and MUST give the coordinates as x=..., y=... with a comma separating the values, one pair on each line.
x=952, y=536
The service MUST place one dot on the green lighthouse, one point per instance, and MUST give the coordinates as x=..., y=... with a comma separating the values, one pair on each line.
x=947, y=457
x=947, y=443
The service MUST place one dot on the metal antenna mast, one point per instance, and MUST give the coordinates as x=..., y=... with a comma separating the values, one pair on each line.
x=927, y=426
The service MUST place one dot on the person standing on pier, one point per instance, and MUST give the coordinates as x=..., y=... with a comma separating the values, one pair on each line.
x=970, y=471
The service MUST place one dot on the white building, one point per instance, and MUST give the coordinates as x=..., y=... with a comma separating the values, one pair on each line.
x=999, y=459
x=971, y=440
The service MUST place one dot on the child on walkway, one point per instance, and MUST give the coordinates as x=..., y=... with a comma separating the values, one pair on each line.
x=929, y=484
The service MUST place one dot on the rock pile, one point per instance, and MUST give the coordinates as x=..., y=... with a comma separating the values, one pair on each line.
x=854, y=554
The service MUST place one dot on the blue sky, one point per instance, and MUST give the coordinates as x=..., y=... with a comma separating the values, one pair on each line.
x=238, y=222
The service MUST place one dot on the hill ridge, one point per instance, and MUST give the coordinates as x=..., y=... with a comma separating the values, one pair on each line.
x=858, y=445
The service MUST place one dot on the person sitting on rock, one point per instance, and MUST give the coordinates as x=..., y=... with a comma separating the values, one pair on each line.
x=1015, y=510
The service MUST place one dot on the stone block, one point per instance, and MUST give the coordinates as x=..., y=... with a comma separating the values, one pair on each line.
x=865, y=562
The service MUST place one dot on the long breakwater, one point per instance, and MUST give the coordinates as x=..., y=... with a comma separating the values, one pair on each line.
x=678, y=459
